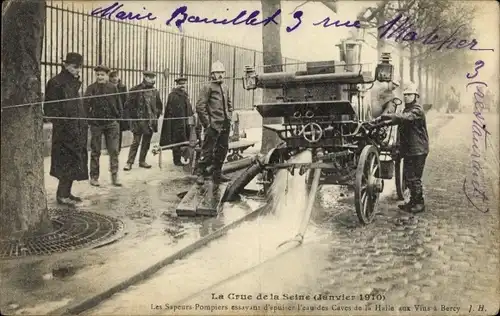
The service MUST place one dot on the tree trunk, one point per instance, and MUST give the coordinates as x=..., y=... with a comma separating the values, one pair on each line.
x=402, y=66
x=412, y=63
x=271, y=43
x=423, y=93
x=435, y=82
x=23, y=201
x=428, y=94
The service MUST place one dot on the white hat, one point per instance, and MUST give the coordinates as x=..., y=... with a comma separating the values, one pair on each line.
x=411, y=89
x=218, y=67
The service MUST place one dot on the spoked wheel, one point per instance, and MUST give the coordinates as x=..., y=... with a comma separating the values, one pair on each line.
x=400, y=178
x=367, y=186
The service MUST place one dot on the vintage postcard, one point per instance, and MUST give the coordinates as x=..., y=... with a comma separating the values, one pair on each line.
x=263, y=157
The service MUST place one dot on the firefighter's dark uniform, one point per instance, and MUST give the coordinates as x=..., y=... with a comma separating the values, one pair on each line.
x=414, y=148
x=214, y=110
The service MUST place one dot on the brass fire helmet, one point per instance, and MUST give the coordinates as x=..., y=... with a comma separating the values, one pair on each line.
x=382, y=95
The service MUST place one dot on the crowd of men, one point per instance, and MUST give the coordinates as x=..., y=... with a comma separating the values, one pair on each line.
x=108, y=109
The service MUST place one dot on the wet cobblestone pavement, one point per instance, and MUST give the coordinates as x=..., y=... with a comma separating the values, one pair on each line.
x=446, y=257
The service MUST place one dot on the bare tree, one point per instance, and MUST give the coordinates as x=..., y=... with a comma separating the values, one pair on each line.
x=23, y=199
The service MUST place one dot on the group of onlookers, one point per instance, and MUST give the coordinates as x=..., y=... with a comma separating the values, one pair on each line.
x=109, y=109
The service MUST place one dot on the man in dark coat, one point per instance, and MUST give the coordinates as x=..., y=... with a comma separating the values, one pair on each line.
x=69, y=157
x=413, y=147
x=114, y=78
x=145, y=105
x=175, y=128
x=105, y=105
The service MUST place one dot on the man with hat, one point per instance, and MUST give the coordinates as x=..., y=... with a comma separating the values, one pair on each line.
x=69, y=156
x=103, y=103
x=114, y=78
x=413, y=147
x=175, y=128
x=214, y=110
x=144, y=108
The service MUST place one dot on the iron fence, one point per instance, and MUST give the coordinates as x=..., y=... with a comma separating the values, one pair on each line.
x=132, y=47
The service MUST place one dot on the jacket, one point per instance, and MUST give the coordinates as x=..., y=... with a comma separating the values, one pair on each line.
x=214, y=106
x=176, y=131
x=124, y=125
x=108, y=106
x=69, y=155
x=143, y=105
x=412, y=129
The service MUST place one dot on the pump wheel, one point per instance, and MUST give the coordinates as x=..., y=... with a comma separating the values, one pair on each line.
x=367, y=185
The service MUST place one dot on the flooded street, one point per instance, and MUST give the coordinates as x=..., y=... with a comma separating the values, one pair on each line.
x=398, y=260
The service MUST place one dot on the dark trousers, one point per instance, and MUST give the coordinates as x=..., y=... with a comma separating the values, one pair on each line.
x=111, y=132
x=176, y=154
x=146, y=143
x=120, y=141
x=214, y=150
x=413, y=170
x=64, y=188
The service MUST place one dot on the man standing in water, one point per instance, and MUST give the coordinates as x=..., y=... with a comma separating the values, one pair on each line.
x=414, y=146
x=69, y=156
x=215, y=112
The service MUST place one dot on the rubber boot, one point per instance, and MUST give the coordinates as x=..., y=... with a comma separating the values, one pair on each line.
x=406, y=206
x=200, y=180
x=75, y=198
x=114, y=180
x=65, y=201
x=419, y=205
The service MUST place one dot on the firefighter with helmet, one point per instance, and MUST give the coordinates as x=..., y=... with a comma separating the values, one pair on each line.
x=414, y=146
x=214, y=111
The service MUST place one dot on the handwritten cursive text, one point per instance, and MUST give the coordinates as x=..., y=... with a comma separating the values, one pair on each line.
x=180, y=16
x=404, y=31
x=478, y=131
x=111, y=10
x=337, y=23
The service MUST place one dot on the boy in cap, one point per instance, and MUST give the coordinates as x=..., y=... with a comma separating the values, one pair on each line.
x=69, y=156
x=114, y=78
x=108, y=107
x=145, y=105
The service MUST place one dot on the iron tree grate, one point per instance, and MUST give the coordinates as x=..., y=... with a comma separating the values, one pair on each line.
x=71, y=230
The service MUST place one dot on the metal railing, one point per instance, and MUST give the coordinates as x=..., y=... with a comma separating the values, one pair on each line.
x=132, y=47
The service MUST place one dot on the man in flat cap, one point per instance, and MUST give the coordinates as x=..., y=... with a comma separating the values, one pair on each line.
x=175, y=128
x=104, y=104
x=114, y=78
x=144, y=108
x=69, y=156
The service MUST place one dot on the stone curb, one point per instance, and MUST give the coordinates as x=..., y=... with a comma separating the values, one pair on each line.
x=79, y=307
